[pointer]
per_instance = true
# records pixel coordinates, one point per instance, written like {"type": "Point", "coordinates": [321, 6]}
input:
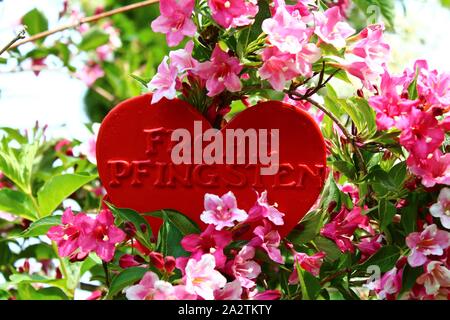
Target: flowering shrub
{"type": "Point", "coordinates": [380, 229]}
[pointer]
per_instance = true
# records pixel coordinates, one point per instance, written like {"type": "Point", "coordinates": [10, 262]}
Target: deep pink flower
{"type": "Point", "coordinates": [311, 264]}
{"type": "Point", "coordinates": [389, 105]}
{"type": "Point", "coordinates": [269, 240]}
{"type": "Point", "coordinates": [437, 276]}
{"type": "Point", "coordinates": [201, 277]}
{"type": "Point", "coordinates": [421, 134]}
{"type": "Point", "coordinates": [164, 82]}
{"type": "Point", "coordinates": [233, 13]}
{"type": "Point", "coordinates": [369, 246]}
{"type": "Point", "coordinates": [221, 73]}
{"type": "Point", "coordinates": [431, 241]}
{"type": "Point", "coordinates": [244, 268]}
{"type": "Point", "coordinates": [231, 291]}
{"type": "Point", "coordinates": [435, 169]}
{"type": "Point", "coordinates": [441, 209]}
{"type": "Point", "coordinates": [101, 235]}
{"type": "Point", "coordinates": [128, 261]}
{"type": "Point", "coordinates": [222, 212]}
{"type": "Point", "coordinates": [67, 234]}
{"type": "Point", "coordinates": [342, 227]}
{"type": "Point", "coordinates": [362, 70]}
{"type": "Point", "coordinates": [209, 241]}
{"type": "Point", "coordinates": [175, 20]}
{"type": "Point", "coordinates": [151, 288]}
{"type": "Point", "coordinates": [331, 29]}
{"type": "Point", "coordinates": [262, 209]}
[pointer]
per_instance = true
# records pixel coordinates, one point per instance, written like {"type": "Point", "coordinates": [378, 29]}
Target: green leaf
{"type": "Point", "coordinates": [386, 211]}
{"type": "Point", "coordinates": [36, 22]}
{"type": "Point", "coordinates": [59, 188]}
{"type": "Point", "coordinates": [138, 221]}
{"type": "Point", "coordinates": [40, 227]}
{"type": "Point", "coordinates": [124, 279]}
{"type": "Point", "coordinates": [345, 167]}
{"type": "Point", "coordinates": [385, 259]}
{"type": "Point", "coordinates": [412, 88]}
{"type": "Point", "coordinates": [409, 214]}
{"type": "Point", "coordinates": [35, 278]}
{"type": "Point", "coordinates": [169, 238]}
{"type": "Point", "coordinates": [397, 174]}
{"type": "Point", "coordinates": [26, 292]}
{"type": "Point", "coordinates": [445, 3]}
{"type": "Point", "coordinates": [39, 251]}
{"type": "Point", "coordinates": [17, 203]}
{"type": "Point", "coordinates": [307, 230]}
{"type": "Point", "coordinates": [143, 82]}
{"type": "Point", "coordinates": [329, 247]}
{"type": "Point", "coordinates": [179, 220]}
{"type": "Point", "coordinates": [409, 277]}
{"type": "Point", "coordinates": [384, 7]}
{"type": "Point", "coordinates": [93, 39]}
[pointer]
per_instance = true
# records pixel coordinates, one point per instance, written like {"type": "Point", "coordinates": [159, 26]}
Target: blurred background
{"type": "Point", "coordinates": [66, 81]}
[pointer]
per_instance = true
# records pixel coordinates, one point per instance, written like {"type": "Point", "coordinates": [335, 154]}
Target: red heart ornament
{"type": "Point", "coordinates": [135, 165]}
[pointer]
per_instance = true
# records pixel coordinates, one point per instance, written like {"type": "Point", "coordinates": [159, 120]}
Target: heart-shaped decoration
{"type": "Point", "coordinates": [135, 165]}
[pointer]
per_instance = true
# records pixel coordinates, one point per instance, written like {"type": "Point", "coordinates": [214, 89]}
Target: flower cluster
{"type": "Point", "coordinates": [78, 235]}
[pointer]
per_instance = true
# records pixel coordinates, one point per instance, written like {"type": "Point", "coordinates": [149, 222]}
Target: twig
{"type": "Point", "coordinates": [82, 21]}
{"type": "Point", "coordinates": [20, 35]}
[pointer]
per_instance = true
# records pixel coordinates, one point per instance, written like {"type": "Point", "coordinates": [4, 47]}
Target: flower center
{"type": "Point", "coordinates": [227, 4]}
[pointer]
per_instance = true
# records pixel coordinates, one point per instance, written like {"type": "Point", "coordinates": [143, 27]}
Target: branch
{"type": "Point", "coordinates": [82, 21]}
{"type": "Point", "coordinates": [20, 35]}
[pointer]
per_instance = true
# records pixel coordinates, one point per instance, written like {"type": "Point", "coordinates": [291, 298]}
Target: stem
{"type": "Point", "coordinates": [62, 266]}
{"type": "Point", "coordinates": [82, 21]}
{"type": "Point", "coordinates": [303, 287]}
{"type": "Point", "coordinates": [20, 35]}
{"type": "Point", "coordinates": [105, 268]}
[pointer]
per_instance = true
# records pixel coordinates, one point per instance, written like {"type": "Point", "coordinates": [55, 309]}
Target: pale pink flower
{"type": "Point", "coordinates": [331, 29]}
{"type": "Point", "coordinates": [362, 70]}
{"type": "Point", "coordinates": [233, 13]}
{"type": "Point", "coordinates": [265, 295]}
{"type": "Point", "coordinates": [389, 285]}
{"type": "Point", "coordinates": [262, 209]}
{"type": "Point", "coordinates": [437, 276]}
{"type": "Point", "coordinates": [287, 32]}
{"type": "Point", "coordinates": [89, 147]}
{"type": "Point", "coordinates": [209, 241]}
{"type": "Point", "coordinates": [67, 234]}
{"type": "Point", "coordinates": [308, 54]}
{"type": "Point", "coordinates": [221, 73]}
{"type": "Point", "coordinates": [175, 20]}
{"type": "Point", "coordinates": [151, 288]}
{"type": "Point", "coordinates": [90, 73]}
{"type": "Point", "coordinates": [431, 241]}
{"type": "Point", "coordinates": [182, 58]}
{"type": "Point", "coordinates": [101, 235]}
{"type": "Point", "coordinates": [201, 277]}
{"type": "Point", "coordinates": [244, 268]}
{"type": "Point", "coordinates": [441, 209]}
{"type": "Point", "coordinates": [421, 133]}
{"type": "Point", "coordinates": [435, 169]}
{"type": "Point", "coordinates": [222, 212]}
{"type": "Point", "coordinates": [231, 291]}
{"type": "Point", "coordinates": [311, 264]}
{"type": "Point", "coordinates": [278, 67]}
{"type": "Point", "coordinates": [269, 240]}
{"type": "Point", "coordinates": [164, 82]}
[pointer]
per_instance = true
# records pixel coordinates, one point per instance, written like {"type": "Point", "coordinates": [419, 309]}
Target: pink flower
{"type": "Point", "coordinates": [231, 291]}
{"type": "Point", "coordinates": [244, 268]}
{"type": "Point", "coordinates": [362, 70]}
{"type": "Point", "coordinates": [441, 209]}
{"type": "Point", "coordinates": [389, 285]}
{"type": "Point", "coordinates": [221, 73]}
{"type": "Point", "coordinates": [101, 235]}
{"type": "Point", "coordinates": [342, 227]}
{"type": "Point", "coordinates": [286, 32]}
{"type": "Point", "coordinates": [435, 169]}
{"type": "Point", "coordinates": [278, 67]}
{"type": "Point", "coordinates": [262, 209]}
{"type": "Point", "coordinates": [437, 276]}
{"type": "Point", "coordinates": [223, 211]}
{"type": "Point", "coordinates": [331, 29]}
{"type": "Point", "coordinates": [90, 73]}
{"type": "Point", "coordinates": [369, 246]}
{"type": "Point", "coordinates": [164, 82]}
{"type": "Point", "coordinates": [233, 13]}
{"type": "Point", "coordinates": [201, 277]}
{"type": "Point", "coordinates": [265, 295]}
{"type": "Point", "coordinates": [128, 261]}
{"type": "Point", "coordinates": [268, 240]}
{"type": "Point", "coordinates": [389, 105]}
{"type": "Point", "coordinates": [182, 59]}
{"type": "Point", "coordinates": [151, 288]}
{"type": "Point", "coordinates": [209, 241]}
{"type": "Point", "coordinates": [421, 134]}
{"type": "Point", "coordinates": [175, 20]}
{"type": "Point", "coordinates": [89, 147]}
{"type": "Point", "coordinates": [431, 241]}
{"type": "Point", "coordinates": [311, 264]}
{"type": "Point", "coordinates": [67, 235]}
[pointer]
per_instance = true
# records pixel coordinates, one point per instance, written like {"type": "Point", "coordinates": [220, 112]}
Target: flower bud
{"type": "Point", "coordinates": [169, 264]}
{"type": "Point", "coordinates": [157, 259]}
